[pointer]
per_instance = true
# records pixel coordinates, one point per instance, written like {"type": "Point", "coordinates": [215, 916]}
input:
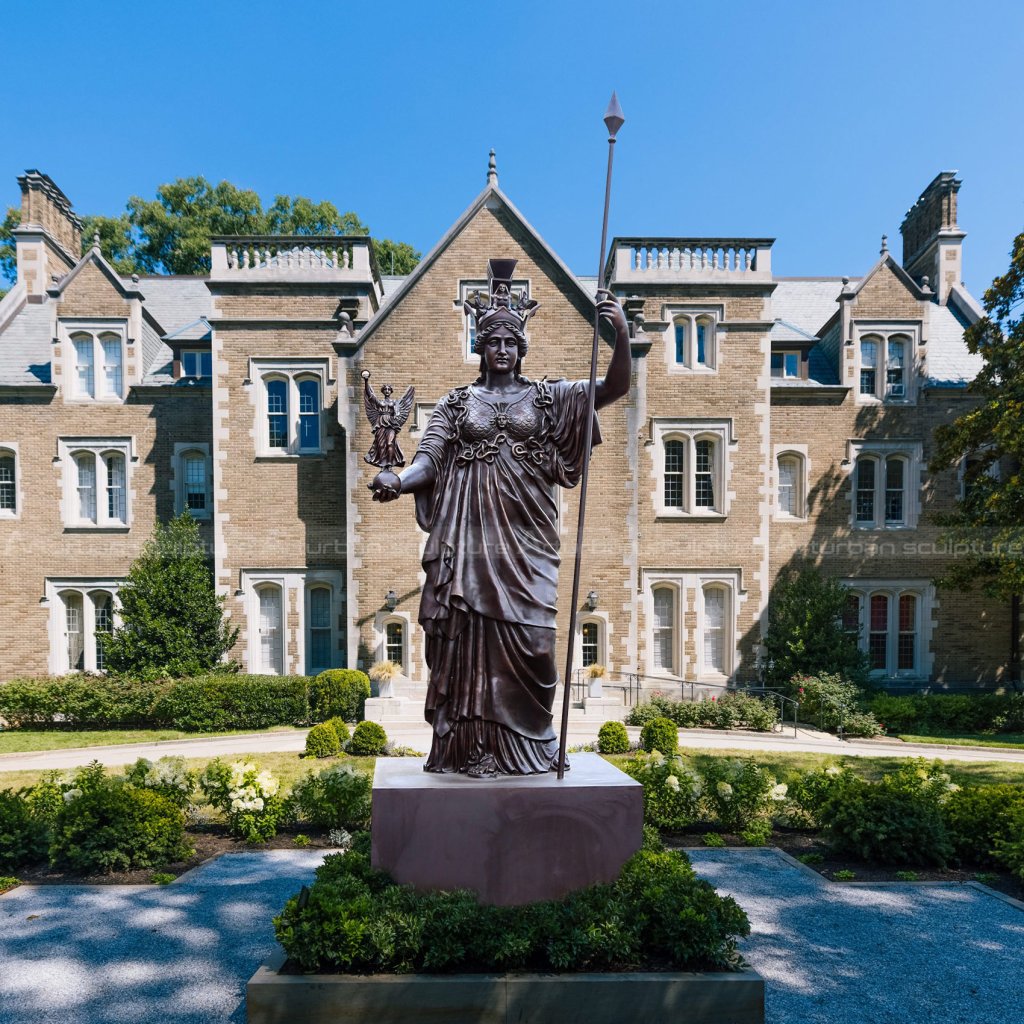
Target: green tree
{"type": "Point", "coordinates": [988, 441]}
{"type": "Point", "coordinates": [395, 257]}
{"type": "Point", "coordinates": [171, 617]}
{"type": "Point", "coordinates": [171, 233]}
{"type": "Point", "coordinates": [806, 634]}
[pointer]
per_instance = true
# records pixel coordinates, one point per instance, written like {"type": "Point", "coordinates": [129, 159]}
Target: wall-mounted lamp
{"type": "Point", "coordinates": [391, 601]}
{"type": "Point", "coordinates": [591, 602]}
{"type": "Point", "coordinates": [44, 600]}
{"type": "Point", "coordinates": [239, 592]}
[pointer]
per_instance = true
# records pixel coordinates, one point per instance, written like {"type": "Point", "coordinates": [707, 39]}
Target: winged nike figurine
{"type": "Point", "coordinates": [386, 417]}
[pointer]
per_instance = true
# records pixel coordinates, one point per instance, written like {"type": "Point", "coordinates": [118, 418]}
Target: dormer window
{"type": "Point", "coordinates": [884, 362]}
{"type": "Point", "coordinates": [96, 369]}
{"type": "Point", "coordinates": [197, 363]}
{"type": "Point", "coordinates": [786, 364]}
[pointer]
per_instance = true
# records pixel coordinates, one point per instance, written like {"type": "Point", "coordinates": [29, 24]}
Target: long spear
{"type": "Point", "coordinates": [613, 120]}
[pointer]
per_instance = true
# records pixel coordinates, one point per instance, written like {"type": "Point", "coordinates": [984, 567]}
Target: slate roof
{"type": "Point", "coordinates": [948, 363]}
{"type": "Point", "coordinates": [806, 303]}
{"type": "Point", "coordinates": [25, 347]}
{"type": "Point", "coordinates": [176, 301]}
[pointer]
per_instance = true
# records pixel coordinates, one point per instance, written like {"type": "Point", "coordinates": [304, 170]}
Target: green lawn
{"type": "Point", "coordinates": [289, 766]}
{"type": "Point", "coordinates": [1013, 740]}
{"type": "Point", "coordinates": [23, 741]}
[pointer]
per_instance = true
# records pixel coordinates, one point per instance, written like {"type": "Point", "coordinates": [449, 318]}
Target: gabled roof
{"type": "Point", "coordinates": [25, 347]}
{"type": "Point", "coordinates": [175, 301]}
{"type": "Point", "coordinates": [197, 330]}
{"type": "Point", "coordinates": [783, 331]}
{"type": "Point", "coordinates": [887, 259]}
{"type": "Point", "coordinates": [94, 256]}
{"type": "Point", "coordinates": [492, 193]}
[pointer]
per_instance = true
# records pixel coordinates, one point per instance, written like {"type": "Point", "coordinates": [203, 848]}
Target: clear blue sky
{"type": "Point", "coordinates": [816, 123]}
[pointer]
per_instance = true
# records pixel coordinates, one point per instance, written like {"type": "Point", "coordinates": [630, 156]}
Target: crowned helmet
{"type": "Point", "coordinates": [502, 306]}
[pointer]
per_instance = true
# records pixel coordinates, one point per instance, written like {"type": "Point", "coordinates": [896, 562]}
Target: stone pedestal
{"type": "Point", "coordinates": [394, 710]}
{"type": "Point", "coordinates": [511, 839]}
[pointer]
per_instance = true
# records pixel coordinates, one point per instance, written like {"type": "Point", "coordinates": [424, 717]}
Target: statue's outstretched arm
{"type": "Point", "coordinates": [615, 383]}
{"type": "Point", "coordinates": [418, 476]}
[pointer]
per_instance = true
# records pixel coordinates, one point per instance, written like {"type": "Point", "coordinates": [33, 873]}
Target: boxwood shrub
{"type": "Point", "coordinates": [77, 701]}
{"type": "Point", "coordinates": [978, 816]}
{"type": "Point", "coordinates": [660, 734]}
{"type": "Point", "coordinates": [368, 740]}
{"type": "Point", "coordinates": [23, 834]}
{"type": "Point", "coordinates": [322, 741]}
{"type": "Point", "coordinates": [730, 711]}
{"type": "Point", "coordinates": [612, 738]}
{"type": "Point", "coordinates": [951, 713]}
{"type": "Point", "coordinates": [338, 692]}
{"type": "Point", "coordinates": [657, 915]}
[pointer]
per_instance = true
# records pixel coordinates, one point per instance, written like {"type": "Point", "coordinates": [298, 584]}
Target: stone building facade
{"type": "Point", "coordinates": [770, 421]}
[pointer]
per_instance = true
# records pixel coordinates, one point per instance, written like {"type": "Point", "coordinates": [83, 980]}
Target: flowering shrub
{"type": "Point", "coordinates": [672, 790]}
{"type": "Point", "coordinates": [110, 825]}
{"type": "Point", "coordinates": [813, 789]}
{"type": "Point", "coordinates": [898, 820]}
{"type": "Point", "coordinates": [834, 702]}
{"type": "Point", "coordinates": [168, 776]}
{"type": "Point", "coordinates": [740, 793]}
{"type": "Point", "coordinates": [248, 797]}
{"type": "Point", "coordinates": [336, 798]}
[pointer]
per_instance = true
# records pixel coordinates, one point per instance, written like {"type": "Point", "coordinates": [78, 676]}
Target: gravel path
{"type": "Point", "coordinates": [175, 954]}
{"type": "Point", "coordinates": [831, 953]}
{"type": "Point", "coordinates": [835, 953]}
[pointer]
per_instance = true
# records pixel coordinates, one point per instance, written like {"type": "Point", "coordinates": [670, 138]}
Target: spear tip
{"type": "Point", "coordinates": [613, 118]}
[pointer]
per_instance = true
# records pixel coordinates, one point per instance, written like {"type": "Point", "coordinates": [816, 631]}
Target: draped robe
{"type": "Point", "coordinates": [491, 564]}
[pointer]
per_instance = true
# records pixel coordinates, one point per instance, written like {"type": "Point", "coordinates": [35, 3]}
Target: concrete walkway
{"type": "Point", "coordinates": [418, 737]}
{"type": "Point", "coordinates": [831, 953]}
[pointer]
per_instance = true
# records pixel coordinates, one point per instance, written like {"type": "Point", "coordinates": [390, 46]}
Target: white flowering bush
{"type": "Point", "coordinates": [672, 789]}
{"type": "Point", "coordinates": [336, 798]}
{"type": "Point", "coordinates": [248, 796]}
{"type": "Point", "coordinates": [741, 793]}
{"type": "Point", "coordinates": [167, 776]}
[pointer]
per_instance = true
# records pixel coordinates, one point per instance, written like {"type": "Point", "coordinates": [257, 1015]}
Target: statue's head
{"type": "Point", "coordinates": [504, 312]}
{"type": "Point", "coordinates": [387, 390]}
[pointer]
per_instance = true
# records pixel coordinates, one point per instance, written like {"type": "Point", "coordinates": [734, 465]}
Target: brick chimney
{"type": "Point", "coordinates": [49, 237]}
{"type": "Point", "coordinates": [932, 242]}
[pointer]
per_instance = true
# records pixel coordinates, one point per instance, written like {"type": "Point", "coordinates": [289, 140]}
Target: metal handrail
{"type": "Point", "coordinates": [767, 691]}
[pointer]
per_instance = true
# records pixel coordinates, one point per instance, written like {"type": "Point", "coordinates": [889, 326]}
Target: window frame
{"type": "Point", "coordinates": [381, 622]}
{"type": "Point", "coordinates": [72, 450]}
{"type": "Point", "coordinates": [895, 591]}
{"type": "Point", "coordinates": [690, 432]}
{"type": "Point", "coordinates": [688, 320]}
{"type": "Point", "coordinates": [9, 450]}
{"type": "Point", "coordinates": [882, 454]}
{"type": "Point", "coordinates": [598, 619]}
{"type": "Point", "coordinates": [179, 477]}
{"type": "Point", "coordinates": [785, 354]}
{"type": "Point", "coordinates": [292, 372]}
{"type": "Point", "coordinates": [799, 455]}
{"type": "Point", "coordinates": [87, 590]}
{"type": "Point", "coordinates": [98, 331]}
{"type": "Point", "coordinates": [313, 586]}
{"type": "Point", "coordinates": [199, 354]}
{"type": "Point", "coordinates": [704, 671]}
{"type": "Point", "coordinates": [882, 335]}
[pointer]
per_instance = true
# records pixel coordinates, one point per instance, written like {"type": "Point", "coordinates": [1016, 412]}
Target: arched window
{"type": "Point", "coordinates": [878, 632]}
{"type": "Point", "coordinates": [277, 413]}
{"type": "Point", "coordinates": [664, 635]}
{"type": "Point", "coordinates": [394, 642]}
{"type": "Point", "coordinates": [318, 650]}
{"type": "Point", "coordinates": [895, 482]}
{"type": "Point", "coordinates": [271, 628]}
{"type": "Point", "coordinates": [704, 475]}
{"type": "Point", "coordinates": [103, 621]}
{"type": "Point", "coordinates": [865, 489]}
{"type": "Point", "coordinates": [713, 650]}
{"type": "Point", "coordinates": [195, 481]}
{"type": "Point", "coordinates": [895, 380]}
{"type": "Point", "coordinates": [113, 378]}
{"type": "Point", "coordinates": [679, 332]}
{"type": "Point", "coordinates": [85, 470]}
{"type": "Point", "coordinates": [8, 484]}
{"type": "Point", "coordinates": [117, 499]}
{"type": "Point", "coordinates": [589, 644]}
{"type": "Point", "coordinates": [704, 354]}
{"type": "Point", "coordinates": [674, 480]}
{"type": "Point", "coordinates": [791, 485]}
{"type": "Point", "coordinates": [309, 414]}
{"type": "Point", "coordinates": [869, 366]}
{"type": "Point", "coordinates": [906, 640]}
{"type": "Point", "coordinates": [74, 631]}
{"type": "Point", "coordinates": [85, 376]}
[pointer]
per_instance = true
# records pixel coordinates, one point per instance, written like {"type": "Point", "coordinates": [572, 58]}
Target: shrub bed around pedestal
{"type": "Point", "coordinates": [658, 915]}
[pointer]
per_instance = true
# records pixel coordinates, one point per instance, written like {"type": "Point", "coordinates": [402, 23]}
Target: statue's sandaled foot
{"type": "Point", "coordinates": [485, 768]}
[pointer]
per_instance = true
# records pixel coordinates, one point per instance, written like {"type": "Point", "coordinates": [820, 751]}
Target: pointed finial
{"type": "Point", "coordinates": [96, 240]}
{"type": "Point", "coordinates": [492, 170]}
{"type": "Point", "coordinates": [613, 118]}
{"type": "Point", "coordinates": [885, 246]}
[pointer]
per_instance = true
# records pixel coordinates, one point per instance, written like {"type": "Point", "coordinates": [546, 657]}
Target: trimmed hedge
{"type": "Point", "coordinates": [204, 704]}
{"type": "Point", "coordinates": [657, 915]}
{"type": "Point", "coordinates": [938, 713]}
{"type": "Point", "coordinates": [730, 711]}
{"type": "Point", "coordinates": [219, 703]}
{"type": "Point", "coordinates": [23, 834]}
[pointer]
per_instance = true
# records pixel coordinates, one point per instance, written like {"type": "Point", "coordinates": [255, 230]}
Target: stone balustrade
{"type": "Point", "coordinates": [664, 260]}
{"type": "Point", "coordinates": [292, 257]}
